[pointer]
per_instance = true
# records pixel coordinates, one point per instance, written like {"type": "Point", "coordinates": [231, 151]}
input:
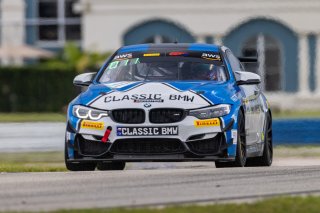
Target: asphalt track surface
{"type": "Point", "coordinates": [33, 136]}
{"type": "Point", "coordinates": [185, 183]}
{"type": "Point", "coordinates": [141, 184]}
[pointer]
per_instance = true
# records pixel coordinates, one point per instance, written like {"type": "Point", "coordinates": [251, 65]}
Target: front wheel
{"type": "Point", "coordinates": [241, 153]}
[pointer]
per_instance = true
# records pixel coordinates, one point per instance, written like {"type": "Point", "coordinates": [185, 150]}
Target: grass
{"type": "Point", "coordinates": [296, 114]}
{"type": "Point", "coordinates": [32, 162]}
{"type": "Point", "coordinates": [297, 151]}
{"type": "Point", "coordinates": [310, 204]}
{"type": "Point", "coordinates": [32, 117]}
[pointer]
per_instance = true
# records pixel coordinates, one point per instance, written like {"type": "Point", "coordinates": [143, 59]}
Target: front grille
{"type": "Point", "coordinates": [90, 147]}
{"type": "Point", "coordinates": [128, 116]}
{"type": "Point", "coordinates": [208, 146]}
{"type": "Point", "coordinates": [166, 115]}
{"type": "Point", "coordinates": [147, 146]}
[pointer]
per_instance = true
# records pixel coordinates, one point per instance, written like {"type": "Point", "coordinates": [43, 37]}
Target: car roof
{"type": "Point", "coordinates": [165, 47]}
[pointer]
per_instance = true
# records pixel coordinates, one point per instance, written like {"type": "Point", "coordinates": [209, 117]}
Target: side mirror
{"type": "Point", "coordinates": [84, 80]}
{"type": "Point", "coordinates": [247, 78]}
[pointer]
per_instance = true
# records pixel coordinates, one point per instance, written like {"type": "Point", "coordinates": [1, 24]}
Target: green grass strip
{"type": "Point", "coordinates": [275, 205]}
{"type": "Point", "coordinates": [32, 162]}
{"type": "Point", "coordinates": [296, 114]}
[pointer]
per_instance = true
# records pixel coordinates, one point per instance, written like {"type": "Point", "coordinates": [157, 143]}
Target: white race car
{"type": "Point", "coordinates": [169, 102]}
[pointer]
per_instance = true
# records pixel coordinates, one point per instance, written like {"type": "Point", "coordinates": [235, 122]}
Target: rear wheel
{"type": "Point", "coordinates": [111, 166]}
{"type": "Point", "coordinates": [241, 153]}
{"type": "Point", "coordinates": [267, 156]}
{"type": "Point", "coordinates": [77, 166]}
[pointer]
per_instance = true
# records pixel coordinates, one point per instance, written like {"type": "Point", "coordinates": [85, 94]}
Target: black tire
{"type": "Point", "coordinates": [267, 156]}
{"type": "Point", "coordinates": [241, 153]}
{"type": "Point", "coordinates": [111, 166]}
{"type": "Point", "coordinates": [77, 166]}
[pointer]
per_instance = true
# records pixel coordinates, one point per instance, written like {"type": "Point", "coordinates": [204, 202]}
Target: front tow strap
{"type": "Point", "coordinates": [106, 135]}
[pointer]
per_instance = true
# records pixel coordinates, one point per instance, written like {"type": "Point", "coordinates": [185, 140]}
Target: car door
{"type": "Point", "coordinates": [251, 95]}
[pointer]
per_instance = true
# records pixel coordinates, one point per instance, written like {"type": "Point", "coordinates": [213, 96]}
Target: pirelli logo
{"type": "Point", "coordinates": [92, 125]}
{"type": "Point", "coordinates": [207, 123]}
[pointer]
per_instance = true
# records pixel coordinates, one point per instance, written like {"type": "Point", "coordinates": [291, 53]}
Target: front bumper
{"type": "Point", "coordinates": [191, 144]}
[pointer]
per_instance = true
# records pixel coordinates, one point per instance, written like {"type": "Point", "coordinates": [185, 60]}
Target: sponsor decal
{"type": "Point", "coordinates": [148, 98]}
{"type": "Point", "coordinates": [147, 131]}
{"type": "Point", "coordinates": [186, 98]}
{"type": "Point", "coordinates": [235, 97]}
{"type": "Point", "coordinates": [262, 136]}
{"type": "Point", "coordinates": [123, 56]}
{"type": "Point", "coordinates": [137, 98]}
{"type": "Point", "coordinates": [151, 54]}
{"type": "Point", "coordinates": [207, 123]}
{"type": "Point", "coordinates": [92, 125]}
{"type": "Point", "coordinates": [113, 65]}
{"type": "Point", "coordinates": [178, 54]}
{"type": "Point", "coordinates": [234, 136]}
{"type": "Point", "coordinates": [209, 56]}
{"type": "Point", "coordinates": [155, 93]}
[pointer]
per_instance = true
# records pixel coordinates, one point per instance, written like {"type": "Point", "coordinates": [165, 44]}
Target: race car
{"type": "Point", "coordinates": [169, 102]}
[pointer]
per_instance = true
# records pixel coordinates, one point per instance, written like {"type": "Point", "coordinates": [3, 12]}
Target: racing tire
{"type": "Point", "coordinates": [241, 152]}
{"type": "Point", "coordinates": [267, 156]}
{"type": "Point", "coordinates": [111, 166]}
{"type": "Point", "coordinates": [77, 166]}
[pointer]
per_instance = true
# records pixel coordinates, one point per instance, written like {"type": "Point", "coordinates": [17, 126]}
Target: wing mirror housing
{"type": "Point", "coordinates": [84, 80]}
{"type": "Point", "coordinates": [247, 78]}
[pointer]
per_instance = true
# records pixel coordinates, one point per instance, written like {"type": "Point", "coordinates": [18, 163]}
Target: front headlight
{"type": "Point", "coordinates": [211, 112]}
{"type": "Point", "coordinates": [88, 113]}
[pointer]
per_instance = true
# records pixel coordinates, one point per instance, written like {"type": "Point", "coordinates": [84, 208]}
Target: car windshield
{"type": "Point", "coordinates": [165, 67]}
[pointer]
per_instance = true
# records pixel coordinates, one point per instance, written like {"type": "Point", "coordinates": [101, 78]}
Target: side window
{"type": "Point", "coordinates": [234, 62]}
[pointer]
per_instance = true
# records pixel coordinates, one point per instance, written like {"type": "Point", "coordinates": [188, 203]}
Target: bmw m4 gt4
{"type": "Point", "coordinates": [169, 102]}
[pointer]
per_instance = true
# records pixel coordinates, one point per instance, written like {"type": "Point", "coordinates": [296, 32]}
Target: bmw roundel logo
{"type": "Point", "coordinates": [147, 105]}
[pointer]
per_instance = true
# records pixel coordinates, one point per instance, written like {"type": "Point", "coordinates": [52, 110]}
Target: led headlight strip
{"type": "Point", "coordinates": [211, 112]}
{"type": "Point", "coordinates": [88, 113]}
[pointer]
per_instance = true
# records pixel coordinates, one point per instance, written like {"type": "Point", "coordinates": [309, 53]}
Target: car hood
{"type": "Point", "coordinates": [176, 94]}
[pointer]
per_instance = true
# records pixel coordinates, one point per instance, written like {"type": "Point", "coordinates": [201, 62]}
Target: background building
{"type": "Point", "coordinates": [51, 23]}
{"type": "Point", "coordinates": [286, 33]}
{"type": "Point", "coordinates": [41, 23]}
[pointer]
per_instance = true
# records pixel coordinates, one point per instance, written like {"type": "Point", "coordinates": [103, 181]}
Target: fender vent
{"type": "Point", "coordinates": [208, 146]}
{"type": "Point", "coordinates": [90, 148]}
